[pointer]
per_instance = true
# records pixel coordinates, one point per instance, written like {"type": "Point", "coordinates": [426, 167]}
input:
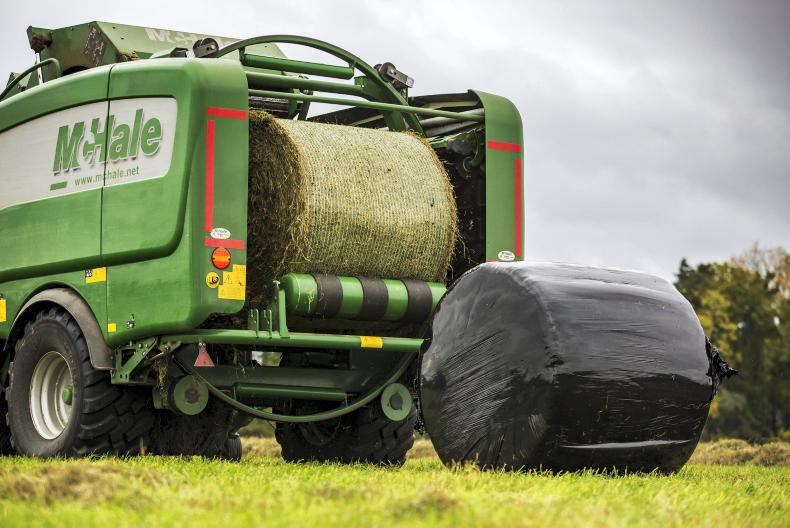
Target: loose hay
{"type": "Point", "coordinates": [344, 200]}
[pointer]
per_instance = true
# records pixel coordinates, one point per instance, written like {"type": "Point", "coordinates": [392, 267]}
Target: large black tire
{"type": "Point", "coordinates": [233, 450]}
{"type": "Point", "coordinates": [209, 434]}
{"type": "Point", "coordinates": [365, 436]}
{"type": "Point", "coordinates": [103, 418]}
{"type": "Point", "coordinates": [5, 432]}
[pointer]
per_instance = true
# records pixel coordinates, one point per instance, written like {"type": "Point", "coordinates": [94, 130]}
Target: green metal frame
{"type": "Point", "coordinates": [173, 260]}
{"type": "Point", "coordinates": [363, 400]}
{"type": "Point", "coordinates": [379, 90]}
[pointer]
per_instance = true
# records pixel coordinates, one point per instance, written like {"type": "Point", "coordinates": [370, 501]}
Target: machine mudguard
{"type": "Point", "coordinates": [101, 355]}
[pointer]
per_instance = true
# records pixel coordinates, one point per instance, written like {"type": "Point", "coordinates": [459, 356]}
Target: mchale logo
{"type": "Point", "coordinates": [124, 142]}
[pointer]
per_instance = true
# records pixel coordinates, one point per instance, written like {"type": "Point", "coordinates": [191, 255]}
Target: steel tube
{"type": "Point", "coordinates": [268, 80]}
{"type": "Point", "coordinates": [436, 121]}
{"type": "Point", "coordinates": [53, 61]}
{"type": "Point", "coordinates": [294, 340]}
{"type": "Point", "coordinates": [244, 391]}
{"type": "Point", "coordinates": [296, 66]}
{"type": "Point", "coordinates": [386, 107]}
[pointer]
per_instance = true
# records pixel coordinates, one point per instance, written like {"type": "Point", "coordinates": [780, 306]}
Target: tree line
{"type": "Point", "coordinates": [743, 305]}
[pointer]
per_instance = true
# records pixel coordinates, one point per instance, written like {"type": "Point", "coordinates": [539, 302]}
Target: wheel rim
{"type": "Point", "coordinates": [51, 389]}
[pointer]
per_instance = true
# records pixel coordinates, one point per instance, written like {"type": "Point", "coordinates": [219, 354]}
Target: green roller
{"type": "Point", "coordinates": [360, 297]}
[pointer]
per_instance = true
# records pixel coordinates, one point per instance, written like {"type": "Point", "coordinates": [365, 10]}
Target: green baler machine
{"type": "Point", "coordinates": [137, 312]}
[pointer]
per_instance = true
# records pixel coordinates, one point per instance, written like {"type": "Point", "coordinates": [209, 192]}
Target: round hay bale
{"type": "Point", "coordinates": [344, 200]}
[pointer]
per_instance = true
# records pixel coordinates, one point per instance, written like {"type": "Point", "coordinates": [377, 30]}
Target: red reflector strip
{"type": "Point", "coordinates": [502, 145]}
{"type": "Point", "coordinates": [209, 207]}
{"type": "Point", "coordinates": [519, 205]}
{"type": "Point", "coordinates": [228, 113]}
{"type": "Point", "coordinates": [230, 244]}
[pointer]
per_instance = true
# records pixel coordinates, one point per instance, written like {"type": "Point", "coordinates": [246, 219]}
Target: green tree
{"type": "Point", "coordinates": [744, 308]}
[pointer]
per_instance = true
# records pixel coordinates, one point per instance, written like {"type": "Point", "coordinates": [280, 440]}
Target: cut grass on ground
{"type": "Point", "coordinates": [265, 491]}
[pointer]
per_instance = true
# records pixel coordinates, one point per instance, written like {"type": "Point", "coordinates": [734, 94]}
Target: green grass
{"type": "Point", "coordinates": [265, 491]}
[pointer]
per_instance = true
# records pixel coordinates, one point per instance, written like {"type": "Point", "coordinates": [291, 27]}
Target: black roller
{"type": "Point", "coordinates": [564, 367]}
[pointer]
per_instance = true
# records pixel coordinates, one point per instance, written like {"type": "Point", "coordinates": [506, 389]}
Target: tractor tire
{"type": "Point", "coordinates": [364, 436]}
{"type": "Point", "coordinates": [5, 432]}
{"type": "Point", "coordinates": [209, 434]}
{"type": "Point", "coordinates": [59, 405]}
{"type": "Point", "coordinates": [232, 450]}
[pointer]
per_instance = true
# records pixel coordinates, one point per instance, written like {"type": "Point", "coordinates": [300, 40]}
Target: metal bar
{"type": "Point", "coordinates": [245, 391]}
{"type": "Point", "coordinates": [226, 376]}
{"type": "Point", "coordinates": [296, 66]}
{"type": "Point", "coordinates": [295, 340]}
{"type": "Point", "coordinates": [268, 80]}
{"type": "Point", "coordinates": [55, 63]}
{"type": "Point", "coordinates": [388, 107]}
{"type": "Point", "coordinates": [388, 91]}
{"type": "Point", "coordinates": [436, 121]}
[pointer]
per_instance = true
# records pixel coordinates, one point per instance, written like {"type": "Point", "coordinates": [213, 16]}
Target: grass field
{"type": "Point", "coordinates": [265, 491]}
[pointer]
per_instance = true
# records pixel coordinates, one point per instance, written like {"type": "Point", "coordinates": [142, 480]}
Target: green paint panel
{"type": "Point", "coordinates": [504, 177]}
{"type": "Point", "coordinates": [16, 293]}
{"type": "Point", "coordinates": [58, 234]}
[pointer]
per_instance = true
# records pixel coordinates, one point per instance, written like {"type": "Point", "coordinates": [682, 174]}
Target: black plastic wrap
{"type": "Point", "coordinates": [563, 367]}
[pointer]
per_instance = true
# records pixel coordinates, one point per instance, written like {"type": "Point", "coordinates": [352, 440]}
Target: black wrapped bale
{"type": "Point", "coordinates": [565, 367]}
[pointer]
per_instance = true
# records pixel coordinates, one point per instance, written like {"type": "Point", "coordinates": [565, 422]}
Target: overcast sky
{"type": "Point", "coordinates": [653, 130]}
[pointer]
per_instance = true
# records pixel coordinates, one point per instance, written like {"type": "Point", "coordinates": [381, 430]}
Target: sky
{"type": "Point", "coordinates": [653, 131]}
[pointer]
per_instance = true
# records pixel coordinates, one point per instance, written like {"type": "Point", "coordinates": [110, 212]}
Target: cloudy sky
{"type": "Point", "coordinates": [653, 130]}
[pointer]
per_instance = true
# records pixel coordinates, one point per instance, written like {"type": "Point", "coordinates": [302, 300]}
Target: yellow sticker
{"type": "Point", "coordinates": [95, 275]}
{"type": "Point", "coordinates": [2, 311]}
{"type": "Point", "coordinates": [212, 280]}
{"type": "Point", "coordinates": [111, 327]}
{"type": "Point", "coordinates": [234, 283]}
{"type": "Point", "coordinates": [371, 342]}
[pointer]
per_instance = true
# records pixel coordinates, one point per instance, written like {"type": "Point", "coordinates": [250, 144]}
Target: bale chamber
{"type": "Point", "coordinates": [339, 200]}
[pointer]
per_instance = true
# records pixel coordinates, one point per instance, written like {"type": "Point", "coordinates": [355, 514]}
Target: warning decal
{"type": "Point", "coordinates": [371, 342]}
{"type": "Point", "coordinates": [233, 283]}
{"type": "Point", "coordinates": [95, 275]}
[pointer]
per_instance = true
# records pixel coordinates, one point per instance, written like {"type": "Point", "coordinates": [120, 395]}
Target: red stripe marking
{"type": "Point", "coordinates": [229, 113]}
{"type": "Point", "coordinates": [209, 210]}
{"type": "Point", "coordinates": [519, 203]}
{"type": "Point", "coordinates": [502, 145]}
{"type": "Point", "coordinates": [227, 244]}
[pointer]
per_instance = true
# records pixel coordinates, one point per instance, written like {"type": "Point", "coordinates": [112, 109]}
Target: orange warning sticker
{"type": "Point", "coordinates": [371, 342]}
{"type": "Point", "coordinates": [234, 283]}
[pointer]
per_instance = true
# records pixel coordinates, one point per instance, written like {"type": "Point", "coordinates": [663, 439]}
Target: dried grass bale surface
{"type": "Point", "coordinates": [347, 201]}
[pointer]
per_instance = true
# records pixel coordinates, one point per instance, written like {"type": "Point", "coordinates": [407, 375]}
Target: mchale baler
{"type": "Point", "coordinates": [187, 247]}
